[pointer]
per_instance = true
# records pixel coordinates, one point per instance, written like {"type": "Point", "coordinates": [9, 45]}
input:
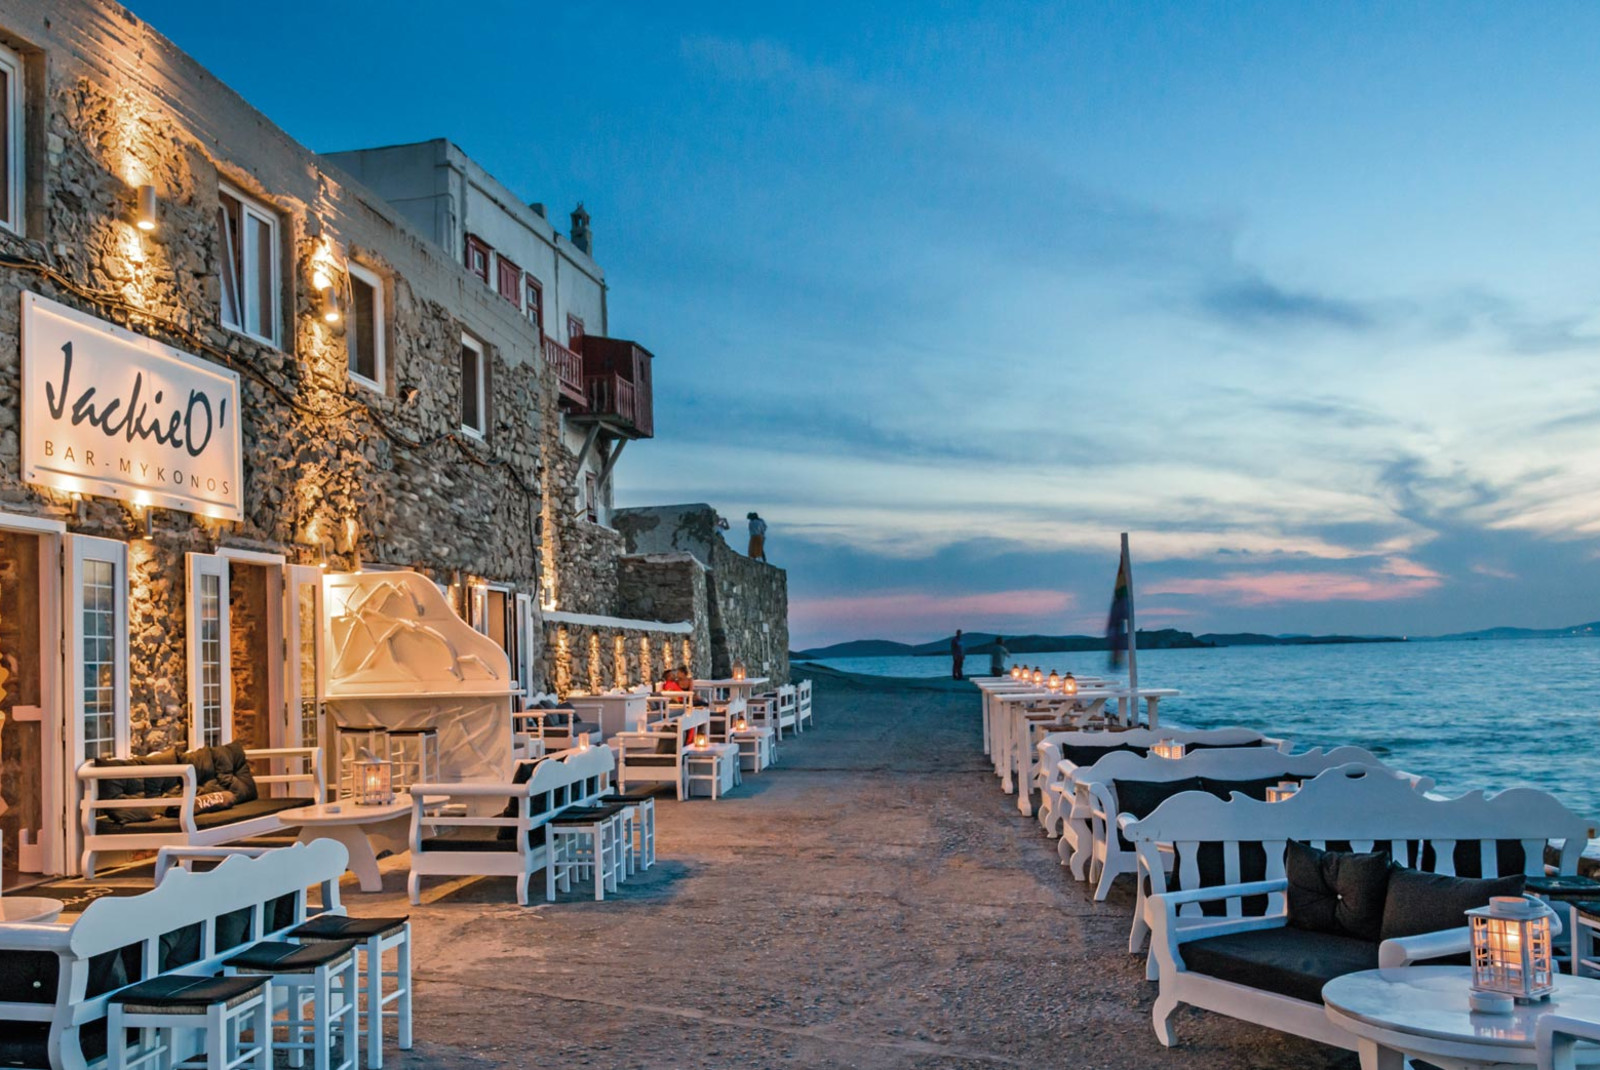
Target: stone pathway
{"type": "Point", "coordinates": [874, 902]}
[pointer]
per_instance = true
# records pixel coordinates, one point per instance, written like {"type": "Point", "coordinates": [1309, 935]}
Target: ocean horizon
{"type": "Point", "coordinates": [1484, 714]}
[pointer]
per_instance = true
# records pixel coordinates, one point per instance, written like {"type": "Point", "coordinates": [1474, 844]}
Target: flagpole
{"type": "Point", "coordinates": [1133, 640]}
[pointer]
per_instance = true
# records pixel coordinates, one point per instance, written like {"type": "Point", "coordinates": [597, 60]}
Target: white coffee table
{"type": "Point", "coordinates": [364, 831]}
{"type": "Point", "coordinates": [34, 909]}
{"type": "Point", "coordinates": [716, 766]}
{"type": "Point", "coordinates": [755, 747]}
{"type": "Point", "coordinates": [1423, 1011]}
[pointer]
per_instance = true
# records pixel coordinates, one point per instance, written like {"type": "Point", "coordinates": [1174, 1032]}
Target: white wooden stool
{"type": "Point", "coordinates": [164, 1007]}
{"type": "Point", "coordinates": [414, 751]}
{"type": "Point", "coordinates": [322, 974]}
{"type": "Point", "coordinates": [586, 841]}
{"type": "Point", "coordinates": [375, 937]}
{"type": "Point", "coordinates": [639, 834]}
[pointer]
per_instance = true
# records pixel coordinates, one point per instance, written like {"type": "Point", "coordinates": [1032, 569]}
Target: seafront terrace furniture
{"type": "Point", "coordinates": [802, 707]}
{"type": "Point", "coordinates": [655, 756]}
{"type": "Point", "coordinates": [613, 711]}
{"type": "Point", "coordinates": [514, 841]}
{"type": "Point", "coordinates": [61, 977]}
{"type": "Point", "coordinates": [720, 721]}
{"type": "Point", "coordinates": [1062, 752]}
{"type": "Point", "coordinates": [1220, 933]}
{"type": "Point", "coordinates": [365, 831]}
{"type": "Point", "coordinates": [1423, 1012]}
{"type": "Point", "coordinates": [1016, 713]}
{"type": "Point", "coordinates": [1124, 787]}
{"type": "Point", "coordinates": [718, 692]}
{"type": "Point", "coordinates": [144, 804]}
{"type": "Point", "coordinates": [990, 686]}
{"type": "Point", "coordinates": [756, 747]}
{"type": "Point", "coordinates": [1564, 1042]}
{"type": "Point", "coordinates": [715, 765]}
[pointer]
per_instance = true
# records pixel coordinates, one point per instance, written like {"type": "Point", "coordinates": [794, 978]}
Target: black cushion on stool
{"type": "Point", "coordinates": [585, 815]}
{"type": "Point", "coordinates": [174, 993]}
{"type": "Point", "coordinates": [270, 956]}
{"type": "Point", "coordinates": [631, 797]}
{"type": "Point", "coordinates": [344, 927]}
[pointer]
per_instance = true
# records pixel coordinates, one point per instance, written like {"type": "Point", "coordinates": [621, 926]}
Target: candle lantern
{"type": "Point", "coordinates": [740, 725]}
{"type": "Point", "coordinates": [374, 780]}
{"type": "Point", "coordinates": [738, 670]}
{"type": "Point", "coordinates": [1069, 685]}
{"type": "Point", "coordinates": [1167, 748]}
{"type": "Point", "coordinates": [1283, 790]}
{"type": "Point", "coordinates": [1038, 678]}
{"type": "Point", "coordinates": [1511, 958]}
{"type": "Point", "coordinates": [1054, 683]}
{"type": "Point", "coordinates": [1016, 671]}
{"type": "Point", "coordinates": [701, 741]}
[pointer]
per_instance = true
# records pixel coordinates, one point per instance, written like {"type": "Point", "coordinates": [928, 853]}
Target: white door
{"type": "Point", "coordinates": [525, 645]}
{"type": "Point", "coordinates": [303, 653]}
{"type": "Point", "coordinates": [97, 663]}
{"type": "Point", "coordinates": [210, 681]}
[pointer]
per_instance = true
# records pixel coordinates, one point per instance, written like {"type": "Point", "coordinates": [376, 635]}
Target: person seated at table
{"type": "Point", "coordinates": [672, 681]}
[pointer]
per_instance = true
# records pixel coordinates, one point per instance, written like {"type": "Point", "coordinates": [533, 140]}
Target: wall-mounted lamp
{"type": "Point", "coordinates": [331, 312]}
{"type": "Point", "coordinates": [146, 219]}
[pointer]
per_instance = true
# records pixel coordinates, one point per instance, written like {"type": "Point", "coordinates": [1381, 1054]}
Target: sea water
{"type": "Point", "coordinates": [1490, 714]}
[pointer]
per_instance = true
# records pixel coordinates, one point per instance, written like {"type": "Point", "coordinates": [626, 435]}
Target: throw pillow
{"type": "Point", "coordinates": [522, 774]}
{"type": "Point", "coordinates": [1340, 892]}
{"type": "Point", "coordinates": [213, 800]}
{"type": "Point", "coordinates": [1420, 902]}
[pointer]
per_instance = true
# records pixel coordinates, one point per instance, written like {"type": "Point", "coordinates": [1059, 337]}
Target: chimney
{"type": "Point", "coordinates": [580, 230]}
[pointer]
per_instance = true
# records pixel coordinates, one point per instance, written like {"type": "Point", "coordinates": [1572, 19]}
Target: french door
{"type": "Point", "coordinates": [97, 647]}
{"type": "Point", "coordinates": [303, 647]}
{"type": "Point", "coordinates": [210, 676]}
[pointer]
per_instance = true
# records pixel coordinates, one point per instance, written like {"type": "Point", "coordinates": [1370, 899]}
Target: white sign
{"type": "Point", "coordinates": [111, 413]}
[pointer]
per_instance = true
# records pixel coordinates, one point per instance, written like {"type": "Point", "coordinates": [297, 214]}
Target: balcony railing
{"type": "Point", "coordinates": [613, 395]}
{"type": "Point", "coordinates": [569, 370]}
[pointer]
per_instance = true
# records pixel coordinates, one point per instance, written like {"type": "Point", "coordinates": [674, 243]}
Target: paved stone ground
{"type": "Point", "coordinates": [874, 901]}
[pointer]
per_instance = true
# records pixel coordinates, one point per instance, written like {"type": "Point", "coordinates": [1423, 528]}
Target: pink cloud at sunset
{"type": "Point", "coordinates": [1397, 579]}
{"type": "Point", "coordinates": [910, 612]}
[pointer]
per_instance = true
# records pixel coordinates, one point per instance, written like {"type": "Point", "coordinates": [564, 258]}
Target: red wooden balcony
{"type": "Point", "coordinates": [569, 372]}
{"type": "Point", "coordinates": [616, 375]}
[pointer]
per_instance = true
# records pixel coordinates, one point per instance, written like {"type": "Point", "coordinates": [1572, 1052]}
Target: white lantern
{"type": "Point", "coordinates": [374, 780]}
{"type": "Point", "coordinates": [738, 670]}
{"type": "Point", "coordinates": [1054, 683]}
{"type": "Point", "coordinates": [1069, 685]}
{"type": "Point", "coordinates": [1167, 748]}
{"type": "Point", "coordinates": [1511, 955]}
{"type": "Point", "coordinates": [1285, 789]}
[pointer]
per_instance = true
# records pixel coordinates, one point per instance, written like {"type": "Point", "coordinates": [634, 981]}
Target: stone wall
{"type": "Point", "coordinates": [668, 587]}
{"type": "Point", "coordinates": [600, 657]}
{"type": "Point", "coordinates": [334, 471]}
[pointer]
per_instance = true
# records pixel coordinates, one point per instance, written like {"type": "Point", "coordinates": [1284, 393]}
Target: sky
{"type": "Point", "coordinates": [1300, 296]}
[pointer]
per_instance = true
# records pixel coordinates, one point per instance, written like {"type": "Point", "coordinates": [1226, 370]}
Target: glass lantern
{"type": "Point", "coordinates": [374, 780]}
{"type": "Point", "coordinates": [1069, 685]}
{"type": "Point", "coordinates": [1511, 953]}
{"type": "Point", "coordinates": [1054, 683]}
{"type": "Point", "coordinates": [701, 741]}
{"type": "Point", "coordinates": [738, 671]}
{"type": "Point", "coordinates": [741, 725]}
{"type": "Point", "coordinates": [1284, 789]}
{"type": "Point", "coordinates": [1038, 678]}
{"type": "Point", "coordinates": [1167, 748]}
{"type": "Point", "coordinates": [1016, 671]}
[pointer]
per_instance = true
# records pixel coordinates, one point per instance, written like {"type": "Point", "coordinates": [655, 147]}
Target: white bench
{"type": "Point", "coordinates": [1054, 769]}
{"type": "Point", "coordinates": [655, 755]}
{"type": "Point", "coordinates": [1358, 807]}
{"type": "Point", "coordinates": [188, 829]}
{"type": "Point", "coordinates": [60, 978]}
{"type": "Point", "coordinates": [802, 704]}
{"type": "Point", "coordinates": [515, 844]}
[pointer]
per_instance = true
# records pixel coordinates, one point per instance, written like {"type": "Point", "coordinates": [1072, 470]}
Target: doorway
{"type": "Point", "coordinates": [236, 651]}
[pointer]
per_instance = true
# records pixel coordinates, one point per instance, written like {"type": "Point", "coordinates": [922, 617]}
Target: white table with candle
{"type": "Point", "coordinates": [1422, 1011]}
{"type": "Point", "coordinates": [613, 711]}
{"type": "Point", "coordinates": [721, 692]}
{"type": "Point", "coordinates": [365, 832]}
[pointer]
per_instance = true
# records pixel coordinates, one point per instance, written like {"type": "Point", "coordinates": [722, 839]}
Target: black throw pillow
{"type": "Point", "coordinates": [1340, 892]}
{"type": "Point", "coordinates": [521, 775]}
{"type": "Point", "coordinates": [1420, 902]}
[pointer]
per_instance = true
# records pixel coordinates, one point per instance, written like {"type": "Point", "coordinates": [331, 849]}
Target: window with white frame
{"type": "Point", "coordinates": [364, 329]}
{"type": "Point", "coordinates": [11, 139]}
{"type": "Point", "coordinates": [247, 234]}
{"type": "Point", "coordinates": [533, 306]}
{"type": "Point", "coordinates": [474, 399]}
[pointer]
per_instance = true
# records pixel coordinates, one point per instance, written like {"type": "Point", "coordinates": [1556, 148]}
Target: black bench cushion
{"type": "Point", "coordinates": [182, 994]}
{"type": "Point", "coordinates": [1254, 789]}
{"type": "Point", "coordinates": [584, 815]}
{"type": "Point", "coordinates": [214, 819]}
{"type": "Point", "coordinates": [654, 761]}
{"type": "Point", "coordinates": [636, 794]}
{"type": "Point", "coordinates": [24, 1043]}
{"type": "Point", "coordinates": [1141, 797]}
{"type": "Point", "coordinates": [1418, 902]}
{"type": "Point", "coordinates": [1083, 755]}
{"type": "Point", "coordinates": [1339, 892]}
{"type": "Point", "coordinates": [1290, 962]}
{"type": "Point", "coordinates": [474, 839]}
{"type": "Point", "coordinates": [272, 956]}
{"type": "Point", "coordinates": [345, 927]}
{"type": "Point", "coordinates": [217, 770]}
{"type": "Point", "coordinates": [1187, 747]}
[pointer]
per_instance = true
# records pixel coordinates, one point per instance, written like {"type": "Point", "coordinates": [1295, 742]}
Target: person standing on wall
{"type": "Point", "coordinates": [997, 656]}
{"type": "Point", "coordinates": [758, 538]}
{"type": "Point", "coordinates": [958, 654]}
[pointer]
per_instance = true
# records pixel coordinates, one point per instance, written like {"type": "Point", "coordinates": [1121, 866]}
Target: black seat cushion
{"type": "Point", "coordinates": [1085, 756]}
{"type": "Point", "coordinates": [1418, 902]}
{"type": "Point", "coordinates": [1255, 788]}
{"type": "Point", "coordinates": [632, 795]}
{"type": "Point", "coordinates": [215, 819]}
{"type": "Point", "coordinates": [24, 1043]}
{"type": "Point", "coordinates": [1291, 962]}
{"type": "Point", "coordinates": [471, 840]}
{"type": "Point", "coordinates": [1141, 797]}
{"type": "Point", "coordinates": [181, 994]}
{"type": "Point", "coordinates": [584, 815]}
{"type": "Point", "coordinates": [272, 956]}
{"type": "Point", "coordinates": [1339, 892]}
{"type": "Point", "coordinates": [345, 927]}
{"type": "Point", "coordinates": [1187, 747]}
{"type": "Point", "coordinates": [653, 761]}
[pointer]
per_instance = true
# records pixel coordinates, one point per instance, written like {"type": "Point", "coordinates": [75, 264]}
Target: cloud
{"type": "Point", "coordinates": [1393, 582]}
{"type": "Point", "coordinates": [1255, 302]}
{"type": "Point", "coordinates": [907, 612]}
{"type": "Point", "coordinates": [1493, 573]}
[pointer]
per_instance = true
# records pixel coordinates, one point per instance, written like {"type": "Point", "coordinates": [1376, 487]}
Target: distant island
{"type": "Point", "coordinates": [979, 643]}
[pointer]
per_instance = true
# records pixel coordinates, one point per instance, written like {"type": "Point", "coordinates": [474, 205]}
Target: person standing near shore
{"type": "Point", "coordinates": [958, 654]}
{"type": "Point", "coordinates": [998, 656]}
{"type": "Point", "coordinates": [758, 538]}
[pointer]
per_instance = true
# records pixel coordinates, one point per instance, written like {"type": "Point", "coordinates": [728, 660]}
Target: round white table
{"type": "Point", "coordinates": [35, 909]}
{"type": "Point", "coordinates": [364, 831]}
{"type": "Point", "coordinates": [1423, 1011]}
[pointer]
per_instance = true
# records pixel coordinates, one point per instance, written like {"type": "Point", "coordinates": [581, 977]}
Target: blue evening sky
{"type": "Point", "coordinates": [1302, 296]}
